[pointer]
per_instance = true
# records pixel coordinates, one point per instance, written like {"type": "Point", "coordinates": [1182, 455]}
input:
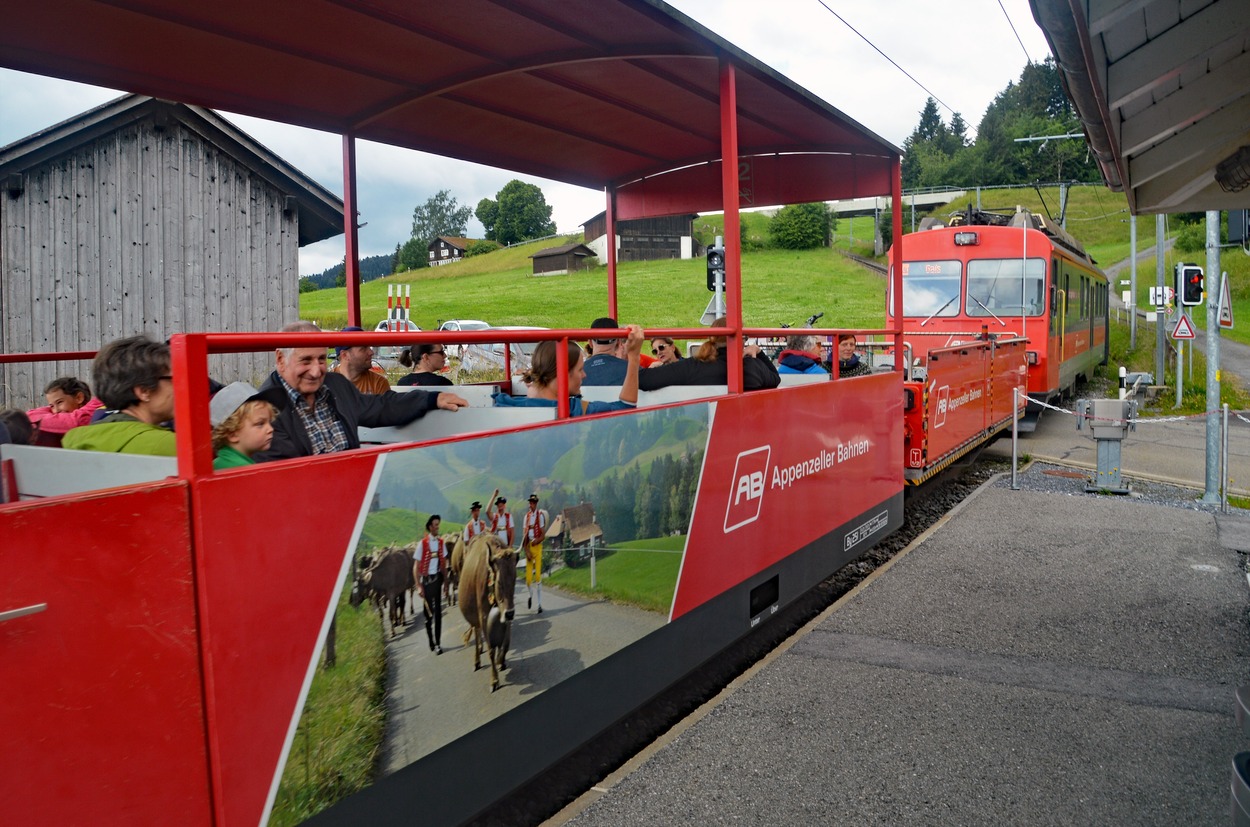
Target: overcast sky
{"type": "Point", "coordinates": [963, 54]}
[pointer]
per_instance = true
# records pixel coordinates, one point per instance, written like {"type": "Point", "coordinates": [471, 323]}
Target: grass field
{"type": "Point", "coordinates": [642, 573]}
{"type": "Point", "coordinates": [341, 729]}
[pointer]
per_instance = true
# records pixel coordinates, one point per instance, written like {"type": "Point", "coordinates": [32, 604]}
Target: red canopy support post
{"type": "Point", "coordinates": [610, 222]}
{"type": "Point", "coordinates": [896, 256]}
{"type": "Point", "coordinates": [351, 256]}
{"type": "Point", "coordinates": [733, 235]}
{"type": "Point", "coordinates": [562, 378]}
{"type": "Point", "coordinates": [188, 356]}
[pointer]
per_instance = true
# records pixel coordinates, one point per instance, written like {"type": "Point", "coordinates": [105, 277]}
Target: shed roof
{"type": "Point", "coordinates": [629, 88]}
{"type": "Point", "coordinates": [454, 241]}
{"type": "Point", "coordinates": [579, 521]}
{"type": "Point", "coordinates": [552, 252]}
{"type": "Point", "coordinates": [320, 211]}
{"type": "Point", "coordinates": [1163, 91]}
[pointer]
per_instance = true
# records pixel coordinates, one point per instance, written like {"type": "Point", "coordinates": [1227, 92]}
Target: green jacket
{"type": "Point", "coordinates": [229, 457]}
{"type": "Point", "coordinates": [121, 433]}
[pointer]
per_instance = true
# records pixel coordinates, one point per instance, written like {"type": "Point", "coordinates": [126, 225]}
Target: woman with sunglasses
{"type": "Point", "coordinates": [426, 360]}
{"type": "Point", "coordinates": [664, 351]}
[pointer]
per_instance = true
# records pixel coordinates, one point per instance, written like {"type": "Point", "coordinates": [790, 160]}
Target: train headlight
{"type": "Point", "coordinates": [1030, 356]}
{"type": "Point", "coordinates": [966, 239]}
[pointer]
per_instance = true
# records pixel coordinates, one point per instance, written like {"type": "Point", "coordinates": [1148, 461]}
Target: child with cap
{"type": "Point", "coordinates": [242, 420]}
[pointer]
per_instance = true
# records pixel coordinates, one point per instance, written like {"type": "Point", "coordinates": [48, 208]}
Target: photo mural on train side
{"type": "Point", "coordinates": [616, 494]}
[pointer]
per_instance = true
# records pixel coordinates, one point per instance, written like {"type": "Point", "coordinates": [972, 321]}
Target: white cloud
{"type": "Point", "coordinates": [964, 55]}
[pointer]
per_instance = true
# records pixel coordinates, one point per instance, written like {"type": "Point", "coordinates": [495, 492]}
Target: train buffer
{"type": "Point", "coordinates": [1110, 421]}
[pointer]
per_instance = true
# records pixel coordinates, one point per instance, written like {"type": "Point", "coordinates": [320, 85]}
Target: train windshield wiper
{"type": "Point", "coordinates": [939, 310]}
{"type": "Point", "coordinates": [1001, 323]}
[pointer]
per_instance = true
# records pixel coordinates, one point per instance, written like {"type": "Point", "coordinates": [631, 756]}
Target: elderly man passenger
{"type": "Point", "coordinates": [326, 408]}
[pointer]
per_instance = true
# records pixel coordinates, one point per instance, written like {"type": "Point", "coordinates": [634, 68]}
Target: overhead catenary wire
{"type": "Point", "coordinates": [1016, 33]}
{"type": "Point", "coordinates": [887, 57]}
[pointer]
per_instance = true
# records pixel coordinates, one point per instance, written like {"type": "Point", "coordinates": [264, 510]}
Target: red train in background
{"type": "Point", "coordinates": [1008, 276]}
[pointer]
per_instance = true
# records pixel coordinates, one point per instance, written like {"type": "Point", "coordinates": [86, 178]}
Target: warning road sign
{"type": "Point", "coordinates": [1184, 328]}
{"type": "Point", "coordinates": [1226, 304]}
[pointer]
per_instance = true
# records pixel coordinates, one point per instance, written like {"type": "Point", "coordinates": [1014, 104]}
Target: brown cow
{"type": "Point", "coordinates": [388, 578]}
{"type": "Point", "coordinates": [486, 585]}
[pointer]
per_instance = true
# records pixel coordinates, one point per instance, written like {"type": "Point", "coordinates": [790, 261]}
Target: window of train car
{"type": "Point", "coordinates": [995, 287]}
{"type": "Point", "coordinates": [931, 288]}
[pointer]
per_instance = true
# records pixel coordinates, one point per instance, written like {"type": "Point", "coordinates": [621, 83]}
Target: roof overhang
{"type": "Point", "coordinates": [621, 94]}
{"type": "Point", "coordinates": [1163, 90]}
{"type": "Point", "coordinates": [320, 211]}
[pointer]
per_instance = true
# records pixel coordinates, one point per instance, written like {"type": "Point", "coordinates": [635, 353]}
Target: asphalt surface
{"type": "Point", "coordinates": [1040, 658]}
{"type": "Point", "coordinates": [434, 699]}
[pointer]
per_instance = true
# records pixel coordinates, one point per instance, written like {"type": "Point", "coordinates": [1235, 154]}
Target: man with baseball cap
{"type": "Point", "coordinates": [356, 363]}
{"type": "Point", "coordinates": [605, 366]}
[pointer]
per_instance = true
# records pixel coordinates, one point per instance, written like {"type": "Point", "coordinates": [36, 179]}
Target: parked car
{"type": "Point", "coordinates": [457, 350]}
{"type": "Point", "coordinates": [476, 358]}
{"type": "Point", "coordinates": [387, 355]}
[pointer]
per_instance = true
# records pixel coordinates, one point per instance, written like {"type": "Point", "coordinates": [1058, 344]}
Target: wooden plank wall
{"type": "Point", "coordinates": [147, 230]}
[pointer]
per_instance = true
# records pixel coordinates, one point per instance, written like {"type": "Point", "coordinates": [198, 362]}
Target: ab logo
{"type": "Point", "coordinates": [943, 402]}
{"type": "Point", "coordinates": [746, 494]}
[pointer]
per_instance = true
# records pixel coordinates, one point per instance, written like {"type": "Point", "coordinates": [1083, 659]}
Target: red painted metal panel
{"type": "Point", "coordinates": [771, 484]}
{"type": "Point", "coordinates": [101, 716]}
{"type": "Point", "coordinates": [776, 179]}
{"type": "Point", "coordinates": [273, 541]}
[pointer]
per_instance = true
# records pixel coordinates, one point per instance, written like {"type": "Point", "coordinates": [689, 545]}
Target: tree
{"type": "Point", "coordinates": [520, 212]}
{"type": "Point", "coordinates": [800, 226]}
{"type": "Point", "coordinates": [439, 215]}
{"type": "Point", "coordinates": [412, 254]}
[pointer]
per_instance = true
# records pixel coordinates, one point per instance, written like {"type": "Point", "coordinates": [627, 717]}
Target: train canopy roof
{"type": "Point", "coordinates": [596, 93]}
{"type": "Point", "coordinates": [1163, 91]}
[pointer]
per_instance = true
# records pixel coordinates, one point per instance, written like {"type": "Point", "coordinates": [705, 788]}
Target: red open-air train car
{"type": "Point", "coordinates": [158, 637]}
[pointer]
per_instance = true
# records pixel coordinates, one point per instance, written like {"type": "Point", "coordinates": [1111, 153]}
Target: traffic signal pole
{"type": "Point", "coordinates": [1211, 493]}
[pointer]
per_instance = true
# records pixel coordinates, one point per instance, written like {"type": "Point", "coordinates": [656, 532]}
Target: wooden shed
{"type": "Point", "coordinates": [644, 239]}
{"type": "Point", "coordinates": [557, 261]}
{"type": "Point", "coordinates": [145, 216]}
{"type": "Point", "coordinates": [575, 533]}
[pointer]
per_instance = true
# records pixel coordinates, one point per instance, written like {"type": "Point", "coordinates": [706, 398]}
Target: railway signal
{"type": "Point", "coordinates": [716, 264]}
{"type": "Point", "coordinates": [1189, 284]}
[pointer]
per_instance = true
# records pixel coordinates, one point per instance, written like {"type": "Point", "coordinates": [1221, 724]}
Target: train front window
{"type": "Point", "coordinates": [995, 287]}
{"type": "Point", "coordinates": [931, 288]}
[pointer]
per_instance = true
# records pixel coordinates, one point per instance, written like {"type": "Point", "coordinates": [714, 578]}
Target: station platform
{"type": "Point", "coordinates": [1042, 656]}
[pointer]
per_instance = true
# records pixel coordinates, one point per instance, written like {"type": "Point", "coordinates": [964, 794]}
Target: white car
{"type": "Point", "coordinates": [457, 350]}
{"type": "Point", "coordinates": [490, 357]}
{"type": "Point", "coordinates": [389, 354]}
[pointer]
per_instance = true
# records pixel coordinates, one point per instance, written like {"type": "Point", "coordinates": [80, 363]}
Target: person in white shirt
{"type": "Point", "coordinates": [501, 521]}
{"type": "Point", "coordinates": [431, 571]}
{"type": "Point", "coordinates": [534, 530]}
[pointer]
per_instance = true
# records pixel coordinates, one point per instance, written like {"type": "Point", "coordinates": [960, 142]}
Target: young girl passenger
{"type": "Point", "coordinates": [242, 420]}
{"type": "Point", "coordinates": [70, 405]}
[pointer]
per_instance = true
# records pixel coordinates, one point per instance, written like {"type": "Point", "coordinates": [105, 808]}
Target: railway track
{"type": "Point", "coordinates": [553, 790]}
{"type": "Point", "coordinates": [881, 269]}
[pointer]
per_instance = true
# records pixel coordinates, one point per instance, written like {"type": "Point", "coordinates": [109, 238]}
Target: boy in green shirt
{"type": "Point", "coordinates": [242, 420]}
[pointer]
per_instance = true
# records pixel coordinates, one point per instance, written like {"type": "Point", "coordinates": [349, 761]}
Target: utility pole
{"type": "Point", "coordinates": [1132, 285]}
{"type": "Point", "coordinates": [1211, 494]}
{"type": "Point", "coordinates": [1160, 320]}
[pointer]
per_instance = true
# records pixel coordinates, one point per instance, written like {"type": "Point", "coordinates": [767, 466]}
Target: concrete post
{"type": "Point", "coordinates": [1212, 492]}
{"type": "Point", "coordinates": [1160, 333]}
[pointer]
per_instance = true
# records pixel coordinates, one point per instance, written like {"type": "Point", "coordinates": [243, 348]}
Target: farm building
{"type": "Point", "coordinates": [145, 216]}
{"type": "Point", "coordinates": [448, 249]}
{"type": "Point", "coordinates": [556, 261]}
{"type": "Point", "coordinates": [646, 239]}
{"type": "Point", "coordinates": [575, 533]}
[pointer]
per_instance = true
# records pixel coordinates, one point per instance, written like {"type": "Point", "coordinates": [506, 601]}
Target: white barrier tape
{"type": "Point", "coordinates": [1154, 420]}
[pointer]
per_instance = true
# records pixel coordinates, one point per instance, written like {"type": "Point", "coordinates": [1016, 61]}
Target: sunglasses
{"type": "Point", "coordinates": [658, 349]}
{"type": "Point", "coordinates": [438, 353]}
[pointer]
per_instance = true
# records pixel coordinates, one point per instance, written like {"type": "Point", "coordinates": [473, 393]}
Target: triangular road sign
{"type": "Point", "coordinates": [1226, 304]}
{"type": "Point", "coordinates": [1184, 328]}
